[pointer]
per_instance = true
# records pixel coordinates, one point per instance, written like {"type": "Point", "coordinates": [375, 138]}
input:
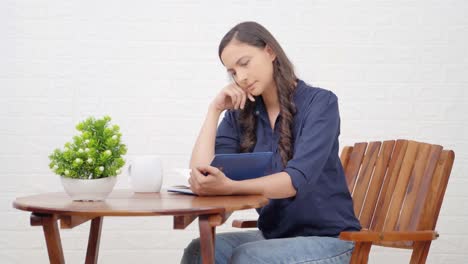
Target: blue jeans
{"type": "Point", "coordinates": [251, 247]}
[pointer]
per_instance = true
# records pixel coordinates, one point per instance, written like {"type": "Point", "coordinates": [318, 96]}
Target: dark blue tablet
{"type": "Point", "coordinates": [243, 166]}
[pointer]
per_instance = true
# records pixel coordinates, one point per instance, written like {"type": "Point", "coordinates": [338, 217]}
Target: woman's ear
{"type": "Point", "coordinates": [270, 52]}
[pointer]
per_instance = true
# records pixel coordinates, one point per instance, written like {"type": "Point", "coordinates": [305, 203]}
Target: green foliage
{"type": "Point", "coordinates": [95, 153]}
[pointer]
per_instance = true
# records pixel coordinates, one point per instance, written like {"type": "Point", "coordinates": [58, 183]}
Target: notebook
{"type": "Point", "coordinates": [239, 166]}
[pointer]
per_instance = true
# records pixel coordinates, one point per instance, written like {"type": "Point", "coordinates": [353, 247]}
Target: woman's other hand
{"type": "Point", "coordinates": [214, 183]}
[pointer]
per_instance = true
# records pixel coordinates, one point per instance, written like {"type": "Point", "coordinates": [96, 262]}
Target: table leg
{"type": "Point", "coordinates": [94, 240]}
{"type": "Point", "coordinates": [52, 235]}
{"type": "Point", "coordinates": [207, 239]}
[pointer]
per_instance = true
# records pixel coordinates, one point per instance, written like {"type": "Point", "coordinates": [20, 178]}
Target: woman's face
{"type": "Point", "coordinates": [251, 67]}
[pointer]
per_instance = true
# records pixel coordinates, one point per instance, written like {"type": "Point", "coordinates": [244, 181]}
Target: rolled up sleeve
{"type": "Point", "coordinates": [228, 135]}
{"type": "Point", "coordinates": [314, 144]}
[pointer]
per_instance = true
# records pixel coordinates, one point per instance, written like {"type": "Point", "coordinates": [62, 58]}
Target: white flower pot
{"type": "Point", "coordinates": [88, 190]}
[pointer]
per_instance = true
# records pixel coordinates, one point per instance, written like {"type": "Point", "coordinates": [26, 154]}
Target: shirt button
{"type": "Point", "coordinates": [257, 112]}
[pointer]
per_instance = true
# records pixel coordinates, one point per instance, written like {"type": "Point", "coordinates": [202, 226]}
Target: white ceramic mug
{"type": "Point", "coordinates": [145, 173]}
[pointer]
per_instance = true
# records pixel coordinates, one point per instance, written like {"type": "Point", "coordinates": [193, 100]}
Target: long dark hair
{"type": "Point", "coordinates": [254, 34]}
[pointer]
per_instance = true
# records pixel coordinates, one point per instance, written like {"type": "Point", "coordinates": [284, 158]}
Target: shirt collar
{"type": "Point", "coordinates": [260, 109]}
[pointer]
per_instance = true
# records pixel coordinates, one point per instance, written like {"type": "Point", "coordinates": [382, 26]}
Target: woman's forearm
{"type": "Point", "coordinates": [274, 186]}
{"type": "Point", "coordinates": [203, 151]}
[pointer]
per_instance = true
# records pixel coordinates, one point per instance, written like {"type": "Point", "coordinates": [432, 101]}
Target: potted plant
{"type": "Point", "coordinates": [88, 166]}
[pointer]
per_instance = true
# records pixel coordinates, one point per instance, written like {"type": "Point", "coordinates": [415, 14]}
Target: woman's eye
{"type": "Point", "coordinates": [245, 63]}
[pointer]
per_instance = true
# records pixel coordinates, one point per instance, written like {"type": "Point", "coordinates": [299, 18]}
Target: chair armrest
{"type": "Point", "coordinates": [371, 236]}
{"type": "Point", "coordinates": [241, 223]}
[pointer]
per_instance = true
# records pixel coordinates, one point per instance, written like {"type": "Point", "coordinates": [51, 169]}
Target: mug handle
{"type": "Point", "coordinates": [129, 171]}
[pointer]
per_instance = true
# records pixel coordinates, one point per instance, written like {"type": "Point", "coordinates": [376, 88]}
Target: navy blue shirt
{"type": "Point", "coordinates": [322, 205]}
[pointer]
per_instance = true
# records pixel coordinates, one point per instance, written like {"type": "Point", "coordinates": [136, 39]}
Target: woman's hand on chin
{"type": "Point", "coordinates": [231, 97]}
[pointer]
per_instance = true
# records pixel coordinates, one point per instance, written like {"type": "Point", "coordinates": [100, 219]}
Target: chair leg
{"type": "Point", "coordinates": [420, 252]}
{"type": "Point", "coordinates": [94, 240]}
{"type": "Point", "coordinates": [361, 253]}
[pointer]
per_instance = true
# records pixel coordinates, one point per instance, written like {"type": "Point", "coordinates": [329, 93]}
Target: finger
{"type": "Point", "coordinates": [243, 98]}
{"type": "Point", "coordinates": [199, 177]}
{"type": "Point", "coordinates": [193, 185]}
{"type": "Point", "coordinates": [209, 169]}
{"type": "Point", "coordinates": [251, 97]}
{"type": "Point", "coordinates": [232, 95]}
{"type": "Point", "coordinates": [193, 178]}
{"type": "Point", "coordinates": [190, 181]}
{"type": "Point", "coordinates": [238, 97]}
{"type": "Point", "coordinates": [240, 94]}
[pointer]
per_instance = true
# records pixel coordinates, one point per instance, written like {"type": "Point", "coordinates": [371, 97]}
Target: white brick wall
{"type": "Point", "coordinates": [399, 68]}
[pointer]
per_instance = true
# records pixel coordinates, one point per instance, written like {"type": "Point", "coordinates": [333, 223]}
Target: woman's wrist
{"type": "Point", "coordinates": [234, 187]}
{"type": "Point", "coordinates": [212, 108]}
{"type": "Point", "coordinates": [246, 187]}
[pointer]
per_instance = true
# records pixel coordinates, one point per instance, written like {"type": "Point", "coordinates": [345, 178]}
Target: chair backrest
{"type": "Point", "coordinates": [397, 185]}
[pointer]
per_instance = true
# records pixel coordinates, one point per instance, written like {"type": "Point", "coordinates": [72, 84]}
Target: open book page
{"type": "Point", "coordinates": [179, 182]}
{"type": "Point", "coordinates": [180, 189]}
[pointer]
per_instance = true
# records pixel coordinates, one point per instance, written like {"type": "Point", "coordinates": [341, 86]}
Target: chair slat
{"type": "Point", "coordinates": [412, 212]}
{"type": "Point", "coordinates": [435, 195]}
{"type": "Point", "coordinates": [401, 185]}
{"type": "Point", "coordinates": [388, 186]}
{"type": "Point", "coordinates": [345, 154]}
{"type": "Point", "coordinates": [374, 189]}
{"type": "Point", "coordinates": [365, 173]}
{"type": "Point", "coordinates": [414, 186]}
{"type": "Point", "coordinates": [354, 164]}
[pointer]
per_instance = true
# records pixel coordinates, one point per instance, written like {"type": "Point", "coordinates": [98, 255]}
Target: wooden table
{"type": "Point", "coordinates": [213, 211]}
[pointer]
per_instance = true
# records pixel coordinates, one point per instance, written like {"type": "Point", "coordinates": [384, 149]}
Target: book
{"type": "Point", "coordinates": [238, 167]}
{"type": "Point", "coordinates": [244, 166]}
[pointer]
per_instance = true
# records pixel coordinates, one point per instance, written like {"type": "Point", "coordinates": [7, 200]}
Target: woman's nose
{"type": "Point", "coordinates": [242, 78]}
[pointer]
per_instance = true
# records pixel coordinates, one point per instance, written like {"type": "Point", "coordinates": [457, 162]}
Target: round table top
{"type": "Point", "coordinates": [127, 203]}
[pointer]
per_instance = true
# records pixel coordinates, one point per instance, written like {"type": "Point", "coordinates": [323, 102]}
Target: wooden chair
{"type": "Point", "coordinates": [397, 189]}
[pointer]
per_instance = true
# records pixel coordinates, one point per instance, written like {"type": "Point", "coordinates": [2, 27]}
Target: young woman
{"type": "Point", "coordinates": [270, 109]}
